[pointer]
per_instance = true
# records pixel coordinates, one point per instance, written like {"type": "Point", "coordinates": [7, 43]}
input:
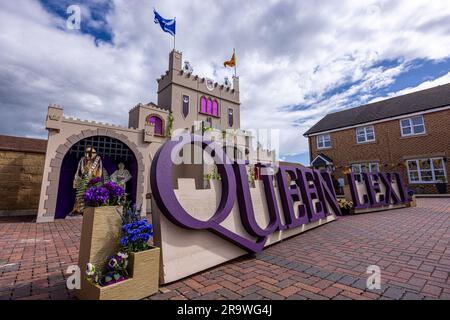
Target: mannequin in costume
{"type": "Point", "coordinates": [121, 176]}
{"type": "Point", "coordinates": [90, 166]}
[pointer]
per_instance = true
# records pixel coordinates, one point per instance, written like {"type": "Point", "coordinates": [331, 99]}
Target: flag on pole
{"type": "Point", "coordinates": [232, 62]}
{"type": "Point", "coordinates": [167, 25]}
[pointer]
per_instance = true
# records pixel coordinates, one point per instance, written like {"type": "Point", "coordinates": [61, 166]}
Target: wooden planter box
{"type": "Point", "coordinates": [144, 269]}
{"type": "Point", "coordinates": [100, 234]}
{"type": "Point", "coordinates": [143, 281]}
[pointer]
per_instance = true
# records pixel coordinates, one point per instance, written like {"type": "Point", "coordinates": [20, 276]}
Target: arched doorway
{"type": "Point", "coordinates": [112, 152]}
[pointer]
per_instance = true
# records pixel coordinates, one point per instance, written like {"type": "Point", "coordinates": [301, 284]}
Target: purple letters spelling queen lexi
{"type": "Point", "coordinates": [313, 187]}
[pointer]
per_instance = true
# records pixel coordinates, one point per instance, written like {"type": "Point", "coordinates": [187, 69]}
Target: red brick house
{"type": "Point", "coordinates": [408, 134]}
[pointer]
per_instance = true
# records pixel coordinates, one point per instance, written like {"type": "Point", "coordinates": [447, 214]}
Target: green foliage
{"type": "Point", "coordinates": [206, 129]}
{"type": "Point", "coordinates": [130, 213]}
{"type": "Point", "coordinates": [213, 175]}
{"type": "Point", "coordinates": [82, 187]}
{"type": "Point", "coordinates": [115, 270]}
{"type": "Point", "coordinates": [251, 175]}
{"type": "Point", "coordinates": [345, 204]}
{"type": "Point", "coordinates": [169, 125]}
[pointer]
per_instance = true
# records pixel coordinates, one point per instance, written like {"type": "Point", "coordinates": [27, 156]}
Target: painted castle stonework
{"type": "Point", "coordinates": [186, 103]}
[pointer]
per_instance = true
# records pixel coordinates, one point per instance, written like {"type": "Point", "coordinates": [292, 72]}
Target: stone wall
{"type": "Point", "coordinates": [21, 169]}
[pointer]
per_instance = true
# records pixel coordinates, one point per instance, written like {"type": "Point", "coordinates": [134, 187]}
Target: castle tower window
{"type": "Point", "coordinates": [203, 104]}
{"type": "Point", "coordinates": [215, 108]}
{"type": "Point", "coordinates": [209, 106]}
{"type": "Point", "coordinates": [157, 123]}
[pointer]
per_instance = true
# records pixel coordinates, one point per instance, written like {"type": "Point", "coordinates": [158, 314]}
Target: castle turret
{"type": "Point", "coordinates": [192, 98]}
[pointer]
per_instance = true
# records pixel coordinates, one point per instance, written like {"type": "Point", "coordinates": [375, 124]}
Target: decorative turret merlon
{"type": "Point", "coordinates": [54, 117]}
{"type": "Point", "coordinates": [175, 59]}
{"type": "Point", "coordinates": [236, 83]}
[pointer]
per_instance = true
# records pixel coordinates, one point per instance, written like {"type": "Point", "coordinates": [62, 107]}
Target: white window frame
{"type": "Point", "coordinates": [419, 170]}
{"type": "Point", "coordinates": [368, 165]}
{"type": "Point", "coordinates": [318, 138]}
{"type": "Point", "coordinates": [366, 140]}
{"type": "Point", "coordinates": [410, 125]}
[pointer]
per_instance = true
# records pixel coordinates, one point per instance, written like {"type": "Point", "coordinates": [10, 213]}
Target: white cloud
{"type": "Point", "coordinates": [289, 53]}
{"type": "Point", "coordinates": [424, 85]}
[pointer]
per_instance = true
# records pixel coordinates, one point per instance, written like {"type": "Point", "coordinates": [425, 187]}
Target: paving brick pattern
{"type": "Point", "coordinates": [411, 246]}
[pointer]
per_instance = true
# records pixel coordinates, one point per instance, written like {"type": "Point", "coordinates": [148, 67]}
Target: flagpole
{"type": "Point", "coordinates": [174, 36]}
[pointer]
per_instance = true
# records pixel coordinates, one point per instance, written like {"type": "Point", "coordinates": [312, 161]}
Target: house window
{"type": "Point", "coordinates": [359, 168]}
{"type": "Point", "coordinates": [412, 126]}
{"type": "Point", "coordinates": [430, 170]}
{"type": "Point", "coordinates": [323, 141]}
{"type": "Point", "coordinates": [209, 106]}
{"type": "Point", "coordinates": [365, 134]}
{"type": "Point", "coordinates": [157, 123]}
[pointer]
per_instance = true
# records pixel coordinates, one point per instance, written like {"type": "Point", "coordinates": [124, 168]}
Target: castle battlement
{"type": "Point", "coordinates": [203, 85]}
{"type": "Point", "coordinates": [95, 123]}
{"type": "Point", "coordinates": [149, 106]}
{"type": "Point", "coordinates": [200, 80]}
{"type": "Point", "coordinates": [183, 77]}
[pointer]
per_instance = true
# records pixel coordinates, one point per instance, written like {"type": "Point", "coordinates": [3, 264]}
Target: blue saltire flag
{"type": "Point", "coordinates": [167, 25]}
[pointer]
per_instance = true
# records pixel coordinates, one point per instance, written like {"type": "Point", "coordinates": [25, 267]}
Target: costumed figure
{"type": "Point", "coordinates": [121, 176]}
{"type": "Point", "coordinates": [90, 166]}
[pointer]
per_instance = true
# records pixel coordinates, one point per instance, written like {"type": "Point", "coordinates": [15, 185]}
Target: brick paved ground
{"type": "Point", "coordinates": [411, 246]}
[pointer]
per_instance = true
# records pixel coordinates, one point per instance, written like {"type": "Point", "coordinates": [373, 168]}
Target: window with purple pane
{"type": "Point", "coordinates": [215, 108]}
{"type": "Point", "coordinates": [209, 106]}
{"type": "Point", "coordinates": [203, 104]}
{"type": "Point", "coordinates": [157, 123]}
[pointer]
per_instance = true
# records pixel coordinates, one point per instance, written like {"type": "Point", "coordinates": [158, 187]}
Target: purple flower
{"type": "Point", "coordinates": [96, 195]}
{"type": "Point", "coordinates": [112, 263]}
{"type": "Point", "coordinates": [114, 189]}
{"type": "Point", "coordinates": [95, 180]}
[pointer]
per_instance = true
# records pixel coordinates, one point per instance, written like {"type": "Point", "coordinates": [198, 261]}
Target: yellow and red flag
{"type": "Point", "coordinates": [232, 62]}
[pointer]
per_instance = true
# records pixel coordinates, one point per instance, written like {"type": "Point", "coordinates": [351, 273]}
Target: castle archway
{"type": "Point", "coordinates": [113, 148]}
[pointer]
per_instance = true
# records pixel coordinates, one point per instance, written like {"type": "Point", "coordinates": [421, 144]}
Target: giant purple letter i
{"type": "Point", "coordinates": [312, 190]}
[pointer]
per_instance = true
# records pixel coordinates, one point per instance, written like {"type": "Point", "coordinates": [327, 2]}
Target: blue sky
{"type": "Point", "coordinates": [297, 61]}
{"type": "Point", "coordinates": [93, 13]}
